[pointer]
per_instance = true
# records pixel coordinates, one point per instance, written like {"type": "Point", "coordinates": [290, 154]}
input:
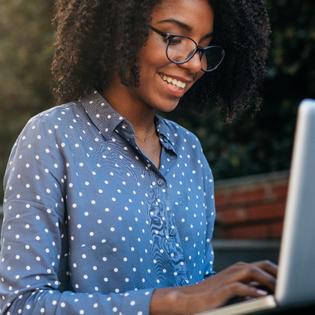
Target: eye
{"type": "Point", "coordinates": [174, 40]}
{"type": "Point", "coordinates": [207, 42]}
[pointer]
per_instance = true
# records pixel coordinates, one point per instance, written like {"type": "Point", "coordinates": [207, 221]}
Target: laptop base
{"type": "Point", "coordinates": [254, 305]}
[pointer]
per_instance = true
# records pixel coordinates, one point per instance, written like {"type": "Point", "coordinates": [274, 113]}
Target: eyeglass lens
{"type": "Point", "coordinates": [181, 49]}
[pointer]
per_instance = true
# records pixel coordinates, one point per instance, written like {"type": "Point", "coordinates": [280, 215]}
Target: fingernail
{"type": "Point", "coordinates": [261, 292]}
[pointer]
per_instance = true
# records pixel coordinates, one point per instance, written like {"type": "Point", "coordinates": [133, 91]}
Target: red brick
{"type": "Point", "coordinates": [280, 190]}
{"type": "Point", "coordinates": [245, 195]}
{"type": "Point", "coordinates": [257, 231]}
{"type": "Point", "coordinates": [251, 208]}
{"type": "Point", "coordinates": [259, 211]}
{"type": "Point", "coordinates": [240, 196]}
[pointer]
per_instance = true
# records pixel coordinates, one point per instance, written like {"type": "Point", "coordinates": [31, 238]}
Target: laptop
{"type": "Point", "coordinates": [296, 275]}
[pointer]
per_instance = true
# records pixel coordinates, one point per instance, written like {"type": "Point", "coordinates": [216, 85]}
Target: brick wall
{"type": "Point", "coordinates": [251, 207]}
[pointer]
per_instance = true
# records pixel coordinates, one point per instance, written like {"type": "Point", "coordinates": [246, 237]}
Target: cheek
{"type": "Point", "coordinates": [151, 58]}
{"type": "Point", "coordinates": [199, 75]}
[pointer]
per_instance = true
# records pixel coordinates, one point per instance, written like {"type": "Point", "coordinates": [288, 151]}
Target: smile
{"type": "Point", "coordinates": [173, 81]}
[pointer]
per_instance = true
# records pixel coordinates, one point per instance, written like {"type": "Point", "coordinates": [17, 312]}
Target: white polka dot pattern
{"type": "Point", "coordinates": [90, 225]}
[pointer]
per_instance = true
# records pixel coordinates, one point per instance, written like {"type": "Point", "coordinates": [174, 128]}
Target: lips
{"type": "Point", "coordinates": [173, 86]}
{"type": "Point", "coordinates": [173, 81]}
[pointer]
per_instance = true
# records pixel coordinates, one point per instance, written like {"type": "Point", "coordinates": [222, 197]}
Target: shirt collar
{"type": "Point", "coordinates": [104, 117]}
{"type": "Point", "coordinates": [165, 134]}
{"type": "Point", "coordinates": [107, 120]}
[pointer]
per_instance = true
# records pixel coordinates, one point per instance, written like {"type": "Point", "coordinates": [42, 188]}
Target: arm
{"type": "Point", "coordinates": [210, 213]}
{"type": "Point", "coordinates": [217, 289]}
{"type": "Point", "coordinates": [33, 237]}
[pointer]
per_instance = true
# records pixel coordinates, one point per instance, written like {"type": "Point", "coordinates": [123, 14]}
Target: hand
{"type": "Point", "coordinates": [239, 280]}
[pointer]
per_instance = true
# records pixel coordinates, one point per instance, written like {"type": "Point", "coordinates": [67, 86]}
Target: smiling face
{"type": "Point", "coordinates": [163, 83]}
{"type": "Point", "coordinates": [193, 18]}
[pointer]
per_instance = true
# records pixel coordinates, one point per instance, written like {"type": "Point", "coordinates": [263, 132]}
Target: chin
{"type": "Point", "coordinates": [166, 108]}
{"type": "Point", "coordinates": [165, 104]}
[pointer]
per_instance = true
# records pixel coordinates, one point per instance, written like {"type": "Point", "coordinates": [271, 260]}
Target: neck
{"type": "Point", "coordinates": [126, 103]}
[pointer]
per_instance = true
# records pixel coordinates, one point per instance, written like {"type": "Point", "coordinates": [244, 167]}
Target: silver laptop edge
{"type": "Point", "coordinates": [299, 223]}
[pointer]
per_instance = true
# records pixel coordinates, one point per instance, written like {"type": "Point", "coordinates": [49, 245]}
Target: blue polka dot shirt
{"type": "Point", "coordinates": [91, 226]}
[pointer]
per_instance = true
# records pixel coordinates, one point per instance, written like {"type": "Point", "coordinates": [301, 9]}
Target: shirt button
{"type": "Point", "coordinates": [160, 182]}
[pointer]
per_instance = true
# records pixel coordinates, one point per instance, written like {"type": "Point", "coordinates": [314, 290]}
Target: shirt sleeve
{"type": "Point", "coordinates": [210, 214]}
{"type": "Point", "coordinates": [33, 236]}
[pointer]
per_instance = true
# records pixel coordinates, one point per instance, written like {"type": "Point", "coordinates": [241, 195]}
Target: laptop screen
{"type": "Point", "coordinates": [296, 279]}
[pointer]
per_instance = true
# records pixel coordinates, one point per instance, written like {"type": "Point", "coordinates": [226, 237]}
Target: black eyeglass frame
{"type": "Point", "coordinates": [168, 36]}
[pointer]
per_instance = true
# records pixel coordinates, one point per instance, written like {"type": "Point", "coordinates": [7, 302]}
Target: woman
{"type": "Point", "coordinates": [109, 208]}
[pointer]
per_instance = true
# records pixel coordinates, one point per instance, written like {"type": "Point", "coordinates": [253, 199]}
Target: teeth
{"type": "Point", "coordinates": [175, 82]}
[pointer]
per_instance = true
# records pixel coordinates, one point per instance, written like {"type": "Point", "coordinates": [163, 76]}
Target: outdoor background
{"type": "Point", "coordinates": [251, 145]}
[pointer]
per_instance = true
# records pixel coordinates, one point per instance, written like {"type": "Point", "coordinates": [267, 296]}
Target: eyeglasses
{"type": "Point", "coordinates": [180, 49]}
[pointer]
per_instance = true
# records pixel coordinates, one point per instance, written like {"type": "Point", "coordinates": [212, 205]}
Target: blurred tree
{"type": "Point", "coordinates": [26, 38]}
{"type": "Point", "coordinates": [263, 142]}
{"type": "Point", "coordinates": [252, 144]}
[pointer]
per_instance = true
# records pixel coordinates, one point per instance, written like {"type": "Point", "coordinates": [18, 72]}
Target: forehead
{"type": "Point", "coordinates": [196, 13]}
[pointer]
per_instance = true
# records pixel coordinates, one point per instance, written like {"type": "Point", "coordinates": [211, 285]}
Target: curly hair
{"type": "Point", "coordinates": [96, 38]}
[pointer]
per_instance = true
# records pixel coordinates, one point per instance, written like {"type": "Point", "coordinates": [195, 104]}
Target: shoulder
{"type": "Point", "coordinates": [45, 131]}
{"type": "Point", "coordinates": [187, 144]}
{"type": "Point", "coordinates": [51, 123]}
{"type": "Point", "coordinates": [44, 134]}
{"type": "Point", "coordinates": [54, 116]}
{"type": "Point", "coordinates": [179, 135]}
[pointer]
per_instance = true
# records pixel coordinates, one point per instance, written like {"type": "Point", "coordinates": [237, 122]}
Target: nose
{"type": "Point", "coordinates": [193, 65]}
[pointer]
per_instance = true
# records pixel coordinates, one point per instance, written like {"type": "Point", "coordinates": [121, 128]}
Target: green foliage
{"type": "Point", "coordinates": [252, 144]}
{"type": "Point", "coordinates": [26, 38]}
{"type": "Point", "coordinates": [262, 142]}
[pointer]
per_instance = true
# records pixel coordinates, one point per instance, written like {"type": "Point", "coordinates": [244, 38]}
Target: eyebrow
{"type": "Point", "coordinates": [184, 26]}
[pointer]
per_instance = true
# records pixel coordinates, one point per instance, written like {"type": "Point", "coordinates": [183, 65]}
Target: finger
{"type": "Point", "coordinates": [239, 289]}
{"type": "Point", "coordinates": [253, 273]}
{"type": "Point", "coordinates": [249, 272]}
{"type": "Point", "coordinates": [268, 266]}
